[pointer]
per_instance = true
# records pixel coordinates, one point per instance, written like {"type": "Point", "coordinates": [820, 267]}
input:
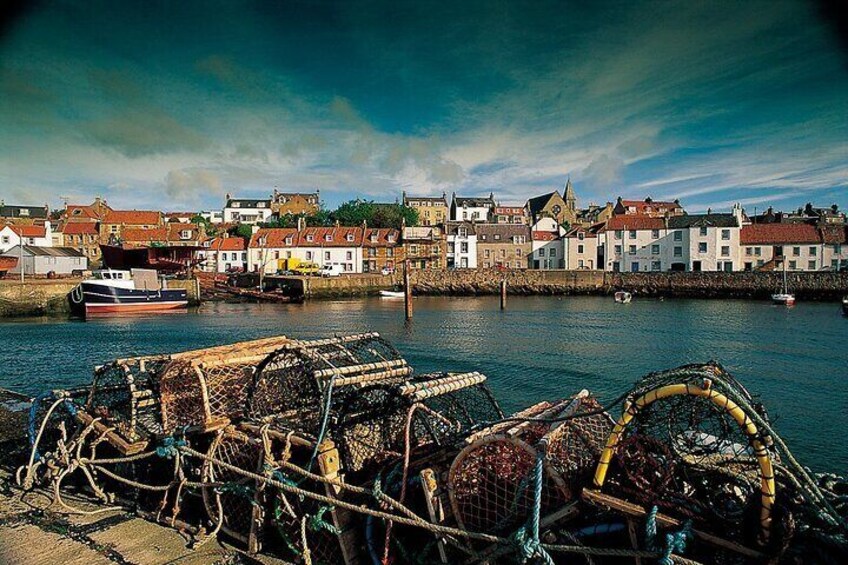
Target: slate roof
{"type": "Point", "coordinates": [702, 220]}
{"type": "Point", "coordinates": [375, 237]}
{"type": "Point", "coordinates": [537, 203]}
{"type": "Point", "coordinates": [474, 202]}
{"type": "Point", "coordinates": [249, 202]}
{"type": "Point", "coordinates": [36, 212]}
{"type": "Point", "coordinates": [488, 231]}
{"type": "Point", "coordinates": [52, 251]}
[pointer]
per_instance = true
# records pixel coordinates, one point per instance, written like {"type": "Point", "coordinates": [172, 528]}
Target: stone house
{"type": "Point", "coordinates": [432, 211]}
{"type": "Point", "coordinates": [115, 221]}
{"type": "Point", "coordinates": [647, 207]}
{"type": "Point", "coordinates": [84, 236]}
{"type": "Point", "coordinates": [295, 203]}
{"type": "Point", "coordinates": [425, 247]}
{"type": "Point", "coordinates": [503, 245]}
{"type": "Point", "coordinates": [381, 249]}
{"type": "Point", "coordinates": [510, 215]}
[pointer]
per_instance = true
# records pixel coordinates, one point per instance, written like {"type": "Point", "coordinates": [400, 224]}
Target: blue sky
{"type": "Point", "coordinates": [173, 105]}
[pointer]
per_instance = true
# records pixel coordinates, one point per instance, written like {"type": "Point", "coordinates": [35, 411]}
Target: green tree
{"type": "Point", "coordinates": [210, 228]}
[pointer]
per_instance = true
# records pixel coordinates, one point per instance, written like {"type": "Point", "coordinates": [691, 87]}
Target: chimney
{"type": "Point", "coordinates": [228, 197]}
{"type": "Point", "coordinates": [301, 223]}
{"type": "Point", "coordinates": [253, 229]}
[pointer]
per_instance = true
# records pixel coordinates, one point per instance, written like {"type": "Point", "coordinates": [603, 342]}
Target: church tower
{"type": "Point", "coordinates": [569, 197]}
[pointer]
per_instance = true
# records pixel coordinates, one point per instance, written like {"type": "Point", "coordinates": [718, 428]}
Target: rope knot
{"type": "Point", "coordinates": [170, 447]}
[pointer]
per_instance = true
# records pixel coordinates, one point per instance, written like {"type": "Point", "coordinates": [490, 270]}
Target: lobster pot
{"type": "Point", "coordinates": [206, 388]}
{"type": "Point", "coordinates": [689, 450]}
{"type": "Point", "coordinates": [124, 395]}
{"type": "Point", "coordinates": [574, 446]}
{"type": "Point", "coordinates": [490, 483]}
{"type": "Point", "coordinates": [301, 379]}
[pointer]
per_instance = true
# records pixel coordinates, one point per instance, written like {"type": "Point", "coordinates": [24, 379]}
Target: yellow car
{"type": "Point", "coordinates": [306, 269]}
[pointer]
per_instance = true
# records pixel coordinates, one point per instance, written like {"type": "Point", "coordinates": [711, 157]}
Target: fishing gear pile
{"type": "Point", "coordinates": [336, 451]}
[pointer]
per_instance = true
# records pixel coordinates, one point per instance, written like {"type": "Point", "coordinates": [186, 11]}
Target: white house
{"type": "Point", "coordinates": [471, 209]}
{"type": "Point", "coordinates": [323, 246]}
{"type": "Point", "coordinates": [461, 245]}
{"type": "Point", "coordinates": [34, 235]}
{"type": "Point", "coordinates": [224, 255]}
{"type": "Point", "coordinates": [547, 251]}
{"type": "Point", "coordinates": [36, 260]}
{"type": "Point", "coordinates": [247, 210]}
{"type": "Point", "coordinates": [581, 248]}
{"type": "Point", "coordinates": [212, 216]}
{"type": "Point", "coordinates": [835, 253]}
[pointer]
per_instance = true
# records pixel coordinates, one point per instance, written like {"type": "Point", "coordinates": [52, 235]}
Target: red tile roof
{"type": "Point", "coordinates": [544, 236]}
{"type": "Point", "coordinates": [133, 217]}
{"type": "Point", "coordinates": [643, 207]}
{"type": "Point", "coordinates": [227, 244]}
{"type": "Point", "coordinates": [81, 212]}
{"type": "Point", "coordinates": [834, 234]}
{"type": "Point", "coordinates": [331, 237]}
{"type": "Point", "coordinates": [321, 237]}
{"type": "Point", "coordinates": [779, 234]}
{"type": "Point", "coordinates": [29, 230]}
{"type": "Point", "coordinates": [274, 237]}
{"type": "Point", "coordinates": [382, 237]}
{"type": "Point", "coordinates": [634, 222]}
{"type": "Point", "coordinates": [80, 228]}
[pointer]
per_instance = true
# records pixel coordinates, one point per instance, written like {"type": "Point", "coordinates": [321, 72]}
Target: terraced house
{"type": "Point", "coordinates": [114, 223]}
{"type": "Point", "coordinates": [768, 246]}
{"type": "Point", "coordinates": [425, 247]}
{"type": "Point", "coordinates": [503, 246]}
{"type": "Point", "coordinates": [432, 211]}
{"type": "Point", "coordinates": [381, 250]}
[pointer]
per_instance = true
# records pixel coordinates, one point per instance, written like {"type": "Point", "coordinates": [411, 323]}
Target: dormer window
{"type": "Point", "coordinates": [260, 204]}
{"type": "Point", "coordinates": [373, 238]}
{"type": "Point", "coordinates": [236, 204]}
{"type": "Point", "coordinates": [310, 237]}
{"type": "Point", "coordinates": [349, 237]}
{"type": "Point", "coordinates": [462, 232]}
{"type": "Point", "coordinates": [497, 237]}
{"type": "Point", "coordinates": [328, 237]}
{"type": "Point", "coordinates": [263, 240]}
{"type": "Point", "coordinates": [391, 238]}
{"type": "Point", "coordinates": [581, 236]}
{"type": "Point", "coordinates": [77, 212]}
{"type": "Point", "coordinates": [288, 240]}
{"type": "Point", "coordinates": [185, 234]}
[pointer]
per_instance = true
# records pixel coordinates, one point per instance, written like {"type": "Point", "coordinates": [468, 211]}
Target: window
{"type": "Point", "coordinates": [793, 265]}
{"type": "Point", "coordinates": [837, 249]}
{"type": "Point", "coordinates": [350, 237]}
{"type": "Point", "coordinates": [518, 253]}
{"type": "Point", "coordinates": [276, 255]}
{"type": "Point", "coordinates": [618, 250]}
{"type": "Point", "coordinates": [326, 256]}
{"type": "Point", "coordinates": [553, 252]}
{"type": "Point", "coordinates": [678, 235]}
{"type": "Point", "coordinates": [497, 237]}
{"type": "Point", "coordinates": [580, 263]}
{"type": "Point", "coordinates": [725, 235]}
{"type": "Point", "coordinates": [758, 251]}
{"type": "Point", "coordinates": [486, 265]}
{"type": "Point", "coordinates": [413, 249]}
{"type": "Point", "coordinates": [288, 240]}
{"type": "Point", "coordinates": [5, 239]}
{"type": "Point", "coordinates": [632, 249]}
{"type": "Point", "coordinates": [725, 251]}
{"type": "Point", "coordinates": [482, 237]}
{"type": "Point", "coordinates": [464, 247]}
{"type": "Point", "coordinates": [349, 255]}
{"type": "Point", "coordinates": [113, 229]}
{"type": "Point", "coordinates": [486, 254]}
{"type": "Point", "coordinates": [310, 237]}
{"type": "Point", "coordinates": [678, 251]}
{"type": "Point", "coordinates": [542, 252]}
{"type": "Point", "coordinates": [288, 255]}
{"type": "Point", "coordinates": [634, 267]}
{"type": "Point", "coordinates": [655, 249]}
{"type": "Point", "coordinates": [703, 230]}
{"type": "Point", "coordinates": [503, 253]}
{"type": "Point", "coordinates": [632, 234]}
{"type": "Point", "coordinates": [309, 256]}
{"type": "Point", "coordinates": [656, 265]}
{"type": "Point", "coordinates": [811, 265]}
{"type": "Point", "coordinates": [796, 251]}
{"type": "Point", "coordinates": [328, 237]}
{"type": "Point", "coordinates": [618, 234]}
{"type": "Point", "coordinates": [749, 251]}
{"type": "Point", "coordinates": [813, 251]}
{"type": "Point", "coordinates": [581, 236]}
{"type": "Point", "coordinates": [702, 247]}
{"type": "Point", "coordinates": [580, 249]}
{"type": "Point", "coordinates": [462, 232]}
{"type": "Point", "coordinates": [372, 252]}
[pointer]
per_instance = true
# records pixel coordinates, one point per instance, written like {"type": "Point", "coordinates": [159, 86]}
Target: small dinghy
{"type": "Point", "coordinates": [391, 294]}
{"type": "Point", "coordinates": [623, 297]}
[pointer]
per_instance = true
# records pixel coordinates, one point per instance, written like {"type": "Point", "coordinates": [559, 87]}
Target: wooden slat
{"type": "Point", "coordinates": [119, 443]}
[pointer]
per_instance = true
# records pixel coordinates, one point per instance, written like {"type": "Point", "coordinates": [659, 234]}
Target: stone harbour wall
{"type": "Point", "coordinates": [487, 281]}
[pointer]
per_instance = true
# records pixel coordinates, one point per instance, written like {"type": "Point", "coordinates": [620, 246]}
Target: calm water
{"type": "Point", "coordinates": [541, 347]}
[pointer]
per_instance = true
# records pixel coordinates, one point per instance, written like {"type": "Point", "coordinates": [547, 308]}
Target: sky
{"type": "Point", "coordinates": [173, 105]}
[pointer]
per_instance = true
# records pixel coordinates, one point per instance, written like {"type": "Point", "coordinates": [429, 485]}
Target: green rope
{"type": "Point", "coordinates": [526, 538]}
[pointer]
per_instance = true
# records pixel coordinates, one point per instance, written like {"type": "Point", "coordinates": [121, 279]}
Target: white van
{"type": "Point", "coordinates": [331, 271]}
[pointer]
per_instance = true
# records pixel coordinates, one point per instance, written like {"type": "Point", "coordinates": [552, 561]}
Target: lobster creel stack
{"type": "Point", "coordinates": [335, 451]}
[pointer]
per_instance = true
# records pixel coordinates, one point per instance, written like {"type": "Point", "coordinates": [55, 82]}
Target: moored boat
{"type": "Point", "coordinates": [391, 294]}
{"type": "Point", "coordinates": [623, 297]}
{"type": "Point", "coordinates": [111, 291]}
{"type": "Point", "coordinates": [783, 297]}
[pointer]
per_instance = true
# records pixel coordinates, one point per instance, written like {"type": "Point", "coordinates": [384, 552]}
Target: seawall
{"type": "Point", "coordinates": [47, 297]}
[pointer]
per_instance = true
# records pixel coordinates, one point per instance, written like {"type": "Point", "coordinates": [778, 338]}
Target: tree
{"type": "Point", "coordinates": [208, 226]}
{"type": "Point", "coordinates": [354, 212]}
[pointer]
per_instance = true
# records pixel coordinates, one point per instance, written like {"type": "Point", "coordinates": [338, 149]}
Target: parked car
{"type": "Point", "coordinates": [331, 271]}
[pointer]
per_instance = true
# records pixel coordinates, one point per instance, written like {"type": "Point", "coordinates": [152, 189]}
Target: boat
{"type": "Point", "coordinates": [391, 294]}
{"type": "Point", "coordinates": [623, 297]}
{"type": "Point", "coordinates": [112, 291]}
{"type": "Point", "coordinates": [845, 305]}
{"type": "Point", "coordinates": [784, 297]}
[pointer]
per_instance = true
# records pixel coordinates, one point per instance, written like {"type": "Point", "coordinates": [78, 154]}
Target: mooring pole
{"type": "Point", "coordinates": [503, 294]}
{"type": "Point", "coordinates": [407, 291]}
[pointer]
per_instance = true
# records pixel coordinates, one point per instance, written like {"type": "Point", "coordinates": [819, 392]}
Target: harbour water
{"type": "Point", "coordinates": [795, 359]}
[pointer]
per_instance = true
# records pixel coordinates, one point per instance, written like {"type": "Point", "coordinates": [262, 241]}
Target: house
{"type": "Point", "coordinates": [381, 248]}
{"type": "Point", "coordinates": [461, 252]}
{"type": "Point", "coordinates": [510, 215]}
{"type": "Point", "coordinates": [547, 251]}
{"type": "Point", "coordinates": [594, 214]}
{"type": "Point", "coordinates": [295, 203]}
{"type": "Point", "coordinates": [28, 234]}
{"type": "Point", "coordinates": [553, 205]}
{"type": "Point", "coordinates": [581, 249]}
{"type": "Point", "coordinates": [321, 245]}
{"type": "Point", "coordinates": [224, 255]}
{"type": "Point", "coordinates": [693, 242]}
{"type": "Point", "coordinates": [178, 217]}
{"type": "Point", "coordinates": [503, 245]}
{"type": "Point", "coordinates": [432, 211]}
{"type": "Point", "coordinates": [36, 260]}
{"type": "Point", "coordinates": [212, 216]}
{"type": "Point", "coordinates": [768, 246]}
{"type": "Point", "coordinates": [425, 247]}
{"type": "Point", "coordinates": [115, 221]}
{"type": "Point", "coordinates": [247, 210]}
{"type": "Point", "coordinates": [471, 209]}
{"type": "Point", "coordinates": [173, 234]}
{"type": "Point", "coordinates": [835, 244]}
{"type": "Point", "coordinates": [23, 213]}
{"type": "Point", "coordinates": [84, 236]}
{"type": "Point", "coordinates": [93, 212]}
{"type": "Point", "coordinates": [647, 207]}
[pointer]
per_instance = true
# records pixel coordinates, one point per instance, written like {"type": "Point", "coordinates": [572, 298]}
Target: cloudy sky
{"type": "Point", "coordinates": [172, 105]}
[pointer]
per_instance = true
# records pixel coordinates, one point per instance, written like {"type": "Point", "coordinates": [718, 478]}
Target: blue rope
{"type": "Point", "coordinates": [651, 528]}
{"type": "Point", "coordinates": [598, 529]}
{"type": "Point", "coordinates": [324, 421]}
{"type": "Point", "coordinates": [170, 447]}
{"type": "Point", "coordinates": [675, 542]}
{"type": "Point", "coordinates": [527, 536]}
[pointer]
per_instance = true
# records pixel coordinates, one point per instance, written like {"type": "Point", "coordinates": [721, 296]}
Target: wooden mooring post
{"type": "Point", "coordinates": [503, 294]}
{"type": "Point", "coordinates": [407, 291]}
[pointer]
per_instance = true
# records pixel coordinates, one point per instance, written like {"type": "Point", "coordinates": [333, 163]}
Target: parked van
{"type": "Point", "coordinates": [304, 268]}
{"type": "Point", "coordinates": [331, 271]}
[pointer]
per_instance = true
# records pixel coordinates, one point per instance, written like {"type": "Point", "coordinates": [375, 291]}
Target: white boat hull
{"type": "Point", "coordinates": [391, 294]}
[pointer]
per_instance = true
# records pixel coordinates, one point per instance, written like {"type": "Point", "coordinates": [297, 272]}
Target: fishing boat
{"type": "Point", "coordinates": [784, 297]}
{"type": "Point", "coordinates": [623, 297]}
{"type": "Point", "coordinates": [391, 294]}
{"type": "Point", "coordinates": [111, 291]}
